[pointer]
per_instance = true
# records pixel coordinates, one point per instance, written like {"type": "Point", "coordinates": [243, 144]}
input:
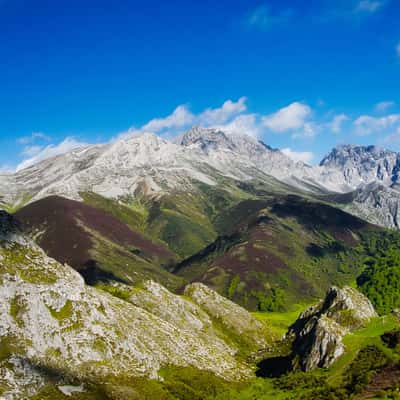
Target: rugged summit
{"type": "Point", "coordinates": [362, 165]}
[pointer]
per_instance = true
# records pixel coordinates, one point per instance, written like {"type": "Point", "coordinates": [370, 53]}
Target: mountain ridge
{"type": "Point", "coordinates": [151, 166]}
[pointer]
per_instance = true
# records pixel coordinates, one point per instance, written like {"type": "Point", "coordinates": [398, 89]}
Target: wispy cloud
{"type": "Point", "coordinates": [384, 106]}
{"type": "Point", "coordinates": [398, 49]}
{"type": "Point", "coordinates": [337, 122]}
{"type": "Point", "coordinates": [34, 136]}
{"type": "Point", "coordinates": [224, 113]}
{"type": "Point", "coordinates": [52, 150]}
{"type": "Point", "coordinates": [262, 18]}
{"type": "Point", "coordinates": [351, 10]}
{"type": "Point", "coordinates": [367, 125]}
{"type": "Point", "coordinates": [179, 118]}
{"type": "Point", "coordinates": [296, 119]}
{"type": "Point", "coordinates": [182, 118]}
{"type": "Point", "coordinates": [303, 156]}
{"type": "Point", "coordinates": [248, 124]}
{"type": "Point", "coordinates": [31, 151]}
{"type": "Point", "coordinates": [368, 6]}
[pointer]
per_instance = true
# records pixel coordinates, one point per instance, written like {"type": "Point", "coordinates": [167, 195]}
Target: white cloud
{"type": "Point", "coordinates": [245, 124]}
{"type": "Point", "coordinates": [32, 150]}
{"type": "Point", "coordinates": [179, 118]}
{"type": "Point", "coordinates": [303, 156]}
{"type": "Point", "coordinates": [51, 150]}
{"type": "Point", "coordinates": [384, 105]}
{"type": "Point", "coordinates": [182, 118]}
{"type": "Point", "coordinates": [229, 109]}
{"type": "Point", "coordinates": [307, 131]}
{"type": "Point", "coordinates": [292, 117]}
{"type": "Point", "coordinates": [337, 122]}
{"type": "Point", "coordinates": [350, 10]}
{"type": "Point", "coordinates": [398, 49]}
{"type": "Point", "coordinates": [232, 118]}
{"type": "Point", "coordinates": [368, 6]}
{"type": "Point", "coordinates": [365, 124]}
{"type": "Point", "coordinates": [259, 17]}
{"type": "Point", "coordinates": [297, 119]}
{"type": "Point", "coordinates": [33, 137]}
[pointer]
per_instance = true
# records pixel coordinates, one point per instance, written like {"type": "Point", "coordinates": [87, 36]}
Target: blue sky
{"type": "Point", "coordinates": [303, 76]}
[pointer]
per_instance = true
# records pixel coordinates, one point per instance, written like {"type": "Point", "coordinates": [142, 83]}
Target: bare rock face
{"type": "Point", "coordinates": [317, 334]}
{"type": "Point", "coordinates": [363, 164]}
{"type": "Point", "coordinates": [318, 343]}
{"type": "Point", "coordinates": [233, 318]}
{"type": "Point", "coordinates": [51, 321]}
{"type": "Point", "coordinates": [348, 307]}
{"type": "Point", "coordinates": [376, 203]}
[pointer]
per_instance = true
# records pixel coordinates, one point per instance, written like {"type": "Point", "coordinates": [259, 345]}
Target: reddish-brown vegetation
{"type": "Point", "coordinates": [67, 230]}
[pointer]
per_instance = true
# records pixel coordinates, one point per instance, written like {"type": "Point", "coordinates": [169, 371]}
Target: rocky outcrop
{"type": "Point", "coordinates": [232, 317]}
{"type": "Point", "coordinates": [317, 334]}
{"type": "Point", "coordinates": [51, 321]}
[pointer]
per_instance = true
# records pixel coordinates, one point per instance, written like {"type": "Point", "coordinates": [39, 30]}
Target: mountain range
{"type": "Point", "coordinates": [148, 165]}
{"type": "Point", "coordinates": [155, 269]}
{"type": "Point", "coordinates": [223, 209]}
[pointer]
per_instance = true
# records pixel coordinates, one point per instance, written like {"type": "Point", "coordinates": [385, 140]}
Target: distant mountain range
{"type": "Point", "coordinates": [362, 180]}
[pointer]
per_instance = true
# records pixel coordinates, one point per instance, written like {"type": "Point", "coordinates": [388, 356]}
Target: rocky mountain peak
{"type": "Point", "coordinates": [344, 154]}
{"type": "Point", "coordinates": [212, 139]}
{"type": "Point", "coordinates": [363, 164]}
{"type": "Point", "coordinates": [206, 139]}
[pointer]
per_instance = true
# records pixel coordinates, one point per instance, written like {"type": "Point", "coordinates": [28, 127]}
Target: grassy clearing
{"type": "Point", "coordinates": [279, 322]}
{"type": "Point", "coordinates": [359, 339]}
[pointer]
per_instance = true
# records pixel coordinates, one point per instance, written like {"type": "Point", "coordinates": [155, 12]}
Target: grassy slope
{"type": "Point", "coordinates": [278, 251]}
{"type": "Point", "coordinates": [96, 243]}
{"type": "Point", "coordinates": [268, 249]}
{"type": "Point", "coordinates": [279, 321]}
{"type": "Point", "coordinates": [182, 221]}
{"type": "Point", "coordinates": [265, 252]}
{"type": "Point", "coordinates": [185, 221]}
